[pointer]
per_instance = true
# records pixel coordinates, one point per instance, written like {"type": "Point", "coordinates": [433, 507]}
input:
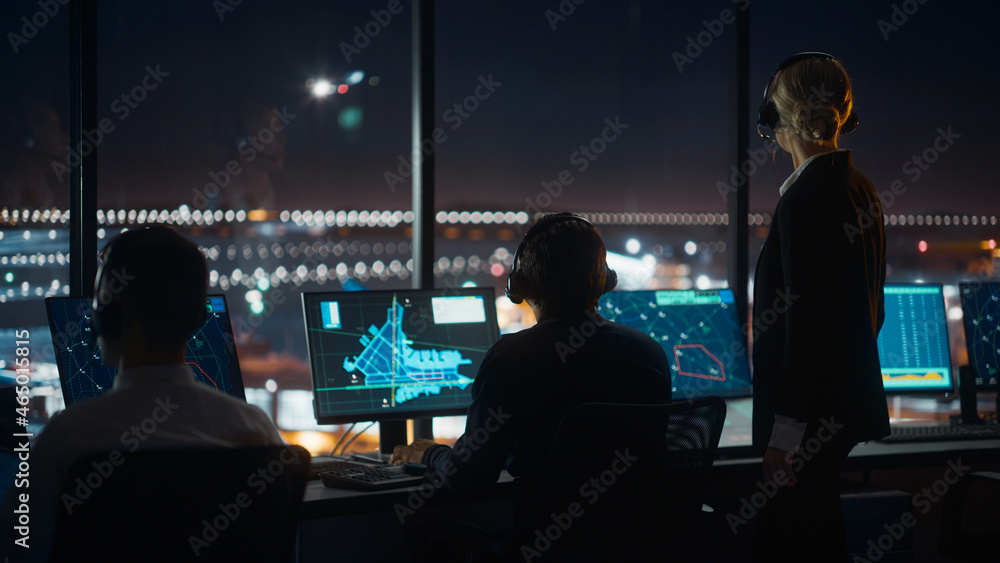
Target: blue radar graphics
{"type": "Point", "coordinates": [699, 331]}
{"type": "Point", "coordinates": [382, 355]}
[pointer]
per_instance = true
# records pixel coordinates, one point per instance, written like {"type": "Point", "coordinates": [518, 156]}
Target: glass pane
{"type": "Point", "coordinates": [617, 110]}
{"type": "Point", "coordinates": [925, 138]}
{"type": "Point", "coordinates": [34, 193]}
{"type": "Point", "coordinates": [263, 134]}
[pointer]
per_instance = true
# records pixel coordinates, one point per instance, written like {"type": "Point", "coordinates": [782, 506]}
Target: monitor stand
{"type": "Point", "coordinates": [392, 433]}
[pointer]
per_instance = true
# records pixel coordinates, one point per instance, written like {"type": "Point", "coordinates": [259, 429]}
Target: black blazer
{"type": "Point", "coordinates": [818, 305]}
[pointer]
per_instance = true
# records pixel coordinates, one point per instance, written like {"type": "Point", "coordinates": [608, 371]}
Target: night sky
{"type": "Point", "coordinates": [556, 84]}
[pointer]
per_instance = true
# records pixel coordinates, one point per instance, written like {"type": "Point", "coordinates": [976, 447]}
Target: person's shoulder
{"type": "Point", "coordinates": [632, 336]}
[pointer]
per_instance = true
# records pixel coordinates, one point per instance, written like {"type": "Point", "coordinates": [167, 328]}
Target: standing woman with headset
{"type": "Point", "coordinates": [817, 380]}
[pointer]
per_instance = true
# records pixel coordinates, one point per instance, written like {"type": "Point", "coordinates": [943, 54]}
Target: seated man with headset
{"type": "Point", "coordinates": [529, 379]}
{"type": "Point", "coordinates": [149, 299]}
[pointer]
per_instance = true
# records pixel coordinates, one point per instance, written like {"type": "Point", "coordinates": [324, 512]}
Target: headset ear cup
{"type": "Point", "coordinates": [850, 124]}
{"type": "Point", "coordinates": [107, 320]}
{"type": "Point", "coordinates": [515, 287]}
{"type": "Point", "coordinates": [610, 280]}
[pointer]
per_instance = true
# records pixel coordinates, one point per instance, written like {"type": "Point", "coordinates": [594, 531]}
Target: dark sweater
{"type": "Point", "coordinates": [529, 379]}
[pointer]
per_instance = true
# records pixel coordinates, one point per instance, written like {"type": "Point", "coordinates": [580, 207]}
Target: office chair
{"type": "Point", "coordinates": [976, 498]}
{"type": "Point", "coordinates": [190, 504]}
{"type": "Point", "coordinates": [625, 483]}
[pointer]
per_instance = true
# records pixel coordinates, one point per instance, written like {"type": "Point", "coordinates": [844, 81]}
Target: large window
{"type": "Point", "coordinates": [278, 137]}
{"type": "Point", "coordinates": [34, 190]}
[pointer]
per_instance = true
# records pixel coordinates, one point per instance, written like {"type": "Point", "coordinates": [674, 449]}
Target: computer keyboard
{"type": "Point", "coordinates": [361, 477]}
{"type": "Point", "coordinates": [317, 466]}
{"type": "Point", "coordinates": [943, 432]}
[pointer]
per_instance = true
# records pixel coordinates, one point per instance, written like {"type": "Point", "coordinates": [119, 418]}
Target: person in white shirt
{"type": "Point", "coordinates": [149, 299]}
{"type": "Point", "coordinates": [818, 308]}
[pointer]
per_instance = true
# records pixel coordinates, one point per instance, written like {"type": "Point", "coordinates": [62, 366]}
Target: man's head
{"type": "Point", "coordinates": [150, 289]}
{"type": "Point", "coordinates": [561, 265]}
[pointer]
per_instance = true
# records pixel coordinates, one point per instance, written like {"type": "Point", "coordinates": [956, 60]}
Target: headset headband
{"type": "Point", "coordinates": [767, 114]}
{"type": "Point", "coordinates": [516, 281]}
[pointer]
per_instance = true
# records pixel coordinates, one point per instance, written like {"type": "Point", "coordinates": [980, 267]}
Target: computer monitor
{"type": "Point", "coordinates": [699, 331]}
{"type": "Point", "coordinates": [211, 352]}
{"type": "Point", "coordinates": [394, 355]}
{"type": "Point", "coordinates": [913, 343]}
{"type": "Point", "coordinates": [981, 313]}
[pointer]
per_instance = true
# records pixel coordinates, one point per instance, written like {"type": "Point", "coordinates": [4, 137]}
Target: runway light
{"type": "Point", "coordinates": [322, 88]}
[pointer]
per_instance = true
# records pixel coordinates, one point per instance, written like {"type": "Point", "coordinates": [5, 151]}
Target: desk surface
{"type": "Point", "coordinates": [322, 502]}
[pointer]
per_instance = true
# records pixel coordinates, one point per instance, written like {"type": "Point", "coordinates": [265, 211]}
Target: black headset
{"type": "Point", "coordinates": [767, 115]}
{"type": "Point", "coordinates": [517, 282]}
{"type": "Point", "coordinates": [108, 318]}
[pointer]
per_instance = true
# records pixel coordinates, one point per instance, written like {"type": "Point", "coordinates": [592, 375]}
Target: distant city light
{"type": "Point", "coordinates": [9, 277]}
{"type": "Point", "coordinates": [632, 246]}
{"type": "Point", "coordinates": [690, 247]}
{"type": "Point", "coordinates": [469, 283]}
{"type": "Point", "coordinates": [257, 307]}
{"type": "Point", "coordinates": [253, 296]}
{"type": "Point", "coordinates": [322, 88]}
{"type": "Point", "coordinates": [271, 385]}
{"type": "Point", "coordinates": [342, 89]}
{"type": "Point", "coordinates": [922, 246]}
{"type": "Point", "coordinates": [263, 284]}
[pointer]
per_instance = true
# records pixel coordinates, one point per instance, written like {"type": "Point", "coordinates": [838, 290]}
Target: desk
{"type": "Point", "coordinates": [346, 525]}
{"type": "Point", "coordinates": [358, 526]}
{"type": "Point", "coordinates": [873, 456]}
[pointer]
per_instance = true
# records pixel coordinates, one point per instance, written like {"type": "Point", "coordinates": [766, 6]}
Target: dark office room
{"type": "Point", "coordinates": [547, 280]}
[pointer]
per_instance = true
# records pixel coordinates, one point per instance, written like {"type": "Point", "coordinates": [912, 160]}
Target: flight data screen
{"type": "Point", "coordinates": [698, 329]}
{"type": "Point", "coordinates": [396, 354]}
{"type": "Point", "coordinates": [210, 353]}
{"type": "Point", "coordinates": [981, 313]}
{"type": "Point", "coordinates": [913, 343]}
